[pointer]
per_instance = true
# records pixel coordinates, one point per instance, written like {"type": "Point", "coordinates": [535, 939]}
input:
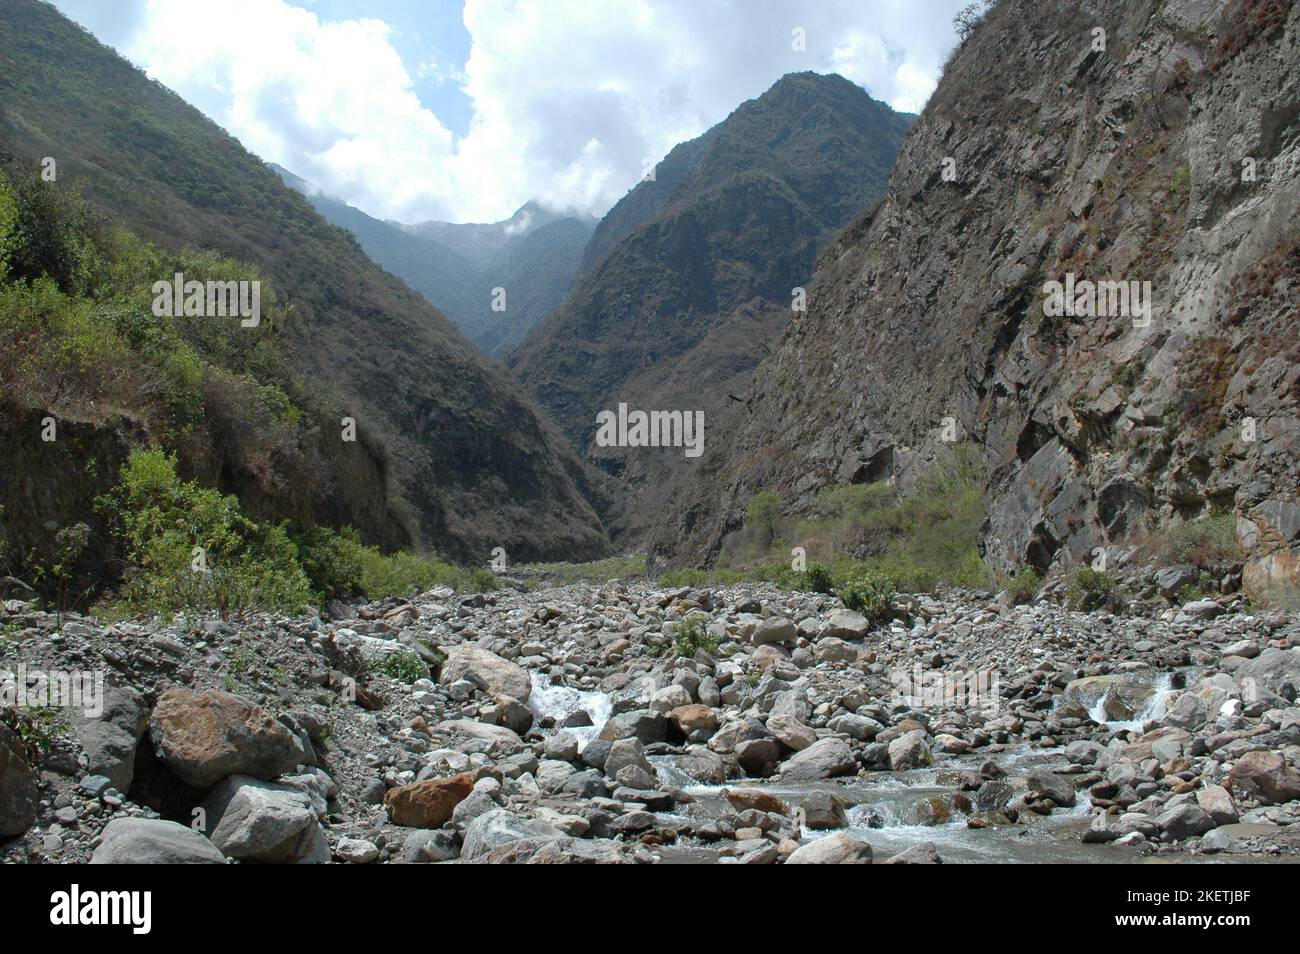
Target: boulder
{"type": "Point", "coordinates": [910, 751]}
{"type": "Point", "coordinates": [500, 676]}
{"type": "Point", "coordinates": [824, 810]}
{"type": "Point", "coordinates": [1265, 777]}
{"type": "Point", "coordinates": [694, 718]}
{"type": "Point", "coordinates": [625, 752]}
{"type": "Point", "coordinates": [832, 649]}
{"type": "Point", "coordinates": [846, 624]}
{"type": "Point", "coordinates": [256, 820]}
{"type": "Point", "coordinates": [499, 828]}
{"type": "Point", "coordinates": [1045, 784]}
{"type": "Point", "coordinates": [745, 799]}
{"type": "Point", "coordinates": [837, 849]}
{"type": "Point", "coordinates": [429, 847]}
{"type": "Point", "coordinates": [826, 758]}
{"type": "Point", "coordinates": [1216, 802]}
{"type": "Point", "coordinates": [204, 737]}
{"type": "Point", "coordinates": [1121, 696]}
{"type": "Point", "coordinates": [427, 804]}
{"type": "Point", "coordinates": [1170, 579]}
{"type": "Point", "coordinates": [922, 853]}
{"type": "Point", "coordinates": [791, 731]}
{"type": "Point", "coordinates": [644, 725]}
{"type": "Point", "coordinates": [18, 795]}
{"type": "Point", "coordinates": [110, 739]}
{"type": "Point", "coordinates": [357, 851]}
{"type": "Point", "coordinates": [774, 629]}
{"type": "Point", "coordinates": [562, 746]}
{"type": "Point", "coordinates": [860, 727]}
{"type": "Point", "coordinates": [1184, 821]}
{"type": "Point", "coordinates": [150, 841]}
{"type": "Point", "coordinates": [758, 756]}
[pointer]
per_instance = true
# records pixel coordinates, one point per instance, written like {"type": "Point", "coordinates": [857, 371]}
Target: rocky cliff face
{"type": "Point", "coordinates": [692, 273]}
{"type": "Point", "coordinates": [1164, 150]}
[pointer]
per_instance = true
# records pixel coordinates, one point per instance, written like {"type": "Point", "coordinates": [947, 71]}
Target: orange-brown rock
{"type": "Point", "coordinates": [427, 804]}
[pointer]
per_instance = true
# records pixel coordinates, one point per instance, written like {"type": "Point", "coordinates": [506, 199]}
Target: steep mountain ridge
{"type": "Point", "coordinates": [692, 273]}
{"type": "Point", "coordinates": [928, 317]}
{"type": "Point", "coordinates": [464, 459]}
{"type": "Point", "coordinates": [533, 256]}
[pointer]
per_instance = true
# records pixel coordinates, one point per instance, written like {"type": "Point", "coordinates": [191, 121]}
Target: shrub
{"type": "Point", "coordinates": [818, 579]}
{"type": "Point", "coordinates": [193, 550]}
{"type": "Point", "coordinates": [869, 593]}
{"type": "Point", "coordinates": [1023, 586]}
{"type": "Point", "coordinates": [1207, 541]}
{"type": "Point", "coordinates": [404, 666]}
{"type": "Point", "coordinates": [1088, 589]}
{"type": "Point", "coordinates": [691, 634]}
{"type": "Point", "coordinates": [763, 517]}
{"type": "Point", "coordinates": [333, 560]}
{"type": "Point", "coordinates": [403, 574]}
{"type": "Point", "coordinates": [687, 576]}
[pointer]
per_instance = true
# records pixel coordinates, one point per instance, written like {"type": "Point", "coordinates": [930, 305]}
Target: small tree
{"type": "Point", "coordinates": [763, 516]}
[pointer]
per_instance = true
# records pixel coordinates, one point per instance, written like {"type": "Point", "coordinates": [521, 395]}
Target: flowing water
{"type": "Point", "coordinates": [885, 808]}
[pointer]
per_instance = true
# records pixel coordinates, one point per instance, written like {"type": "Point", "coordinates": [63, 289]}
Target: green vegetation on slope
{"type": "Point", "coordinates": [450, 453]}
{"type": "Point", "coordinates": [864, 540]}
{"type": "Point", "coordinates": [83, 347]}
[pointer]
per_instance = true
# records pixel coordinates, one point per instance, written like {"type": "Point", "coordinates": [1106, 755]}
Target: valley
{"type": "Point", "coordinates": [791, 478]}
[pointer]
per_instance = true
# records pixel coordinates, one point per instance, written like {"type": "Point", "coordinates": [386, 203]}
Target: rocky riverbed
{"type": "Point", "coordinates": [562, 724]}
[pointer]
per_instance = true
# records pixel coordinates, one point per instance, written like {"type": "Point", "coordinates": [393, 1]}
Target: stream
{"type": "Point", "coordinates": [883, 806]}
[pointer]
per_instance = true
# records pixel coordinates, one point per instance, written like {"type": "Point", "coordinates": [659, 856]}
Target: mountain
{"type": "Point", "coordinates": [689, 275]}
{"type": "Point", "coordinates": [1161, 159]}
{"type": "Point", "coordinates": [533, 256]}
{"type": "Point", "coordinates": [458, 451]}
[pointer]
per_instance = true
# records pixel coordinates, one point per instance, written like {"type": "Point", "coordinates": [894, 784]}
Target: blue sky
{"type": "Point", "coordinates": [463, 110]}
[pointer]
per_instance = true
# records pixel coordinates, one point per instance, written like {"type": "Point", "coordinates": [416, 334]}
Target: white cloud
{"type": "Point", "coordinates": [569, 100]}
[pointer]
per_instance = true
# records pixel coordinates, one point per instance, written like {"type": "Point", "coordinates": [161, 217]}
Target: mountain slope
{"type": "Point", "coordinates": [690, 274]}
{"type": "Point", "coordinates": [469, 463]}
{"type": "Point", "coordinates": [1117, 165]}
{"type": "Point", "coordinates": [533, 255]}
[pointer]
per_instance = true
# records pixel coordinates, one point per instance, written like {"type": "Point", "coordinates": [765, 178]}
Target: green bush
{"type": "Point", "coordinates": [1024, 585]}
{"type": "Point", "coordinates": [687, 576]}
{"type": "Point", "coordinates": [1207, 541]}
{"type": "Point", "coordinates": [1089, 589]}
{"type": "Point", "coordinates": [333, 560]}
{"type": "Point", "coordinates": [403, 574]}
{"type": "Point", "coordinates": [691, 634]}
{"type": "Point", "coordinates": [193, 550]}
{"type": "Point", "coordinates": [763, 517]}
{"type": "Point", "coordinates": [870, 594]}
{"type": "Point", "coordinates": [404, 666]}
{"type": "Point", "coordinates": [818, 579]}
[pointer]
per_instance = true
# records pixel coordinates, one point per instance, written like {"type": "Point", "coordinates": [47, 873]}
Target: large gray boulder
{"type": "Point", "coordinates": [497, 828]}
{"type": "Point", "coordinates": [254, 820]}
{"type": "Point", "coordinates": [837, 849]}
{"type": "Point", "coordinates": [910, 751]}
{"type": "Point", "coordinates": [110, 739]}
{"type": "Point", "coordinates": [500, 676]}
{"type": "Point", "coordinates": [17, 786]}
{"type": "Point", "coordinates": [825, 758]}
{"type": "Point", "coordinates": [149, 841]}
